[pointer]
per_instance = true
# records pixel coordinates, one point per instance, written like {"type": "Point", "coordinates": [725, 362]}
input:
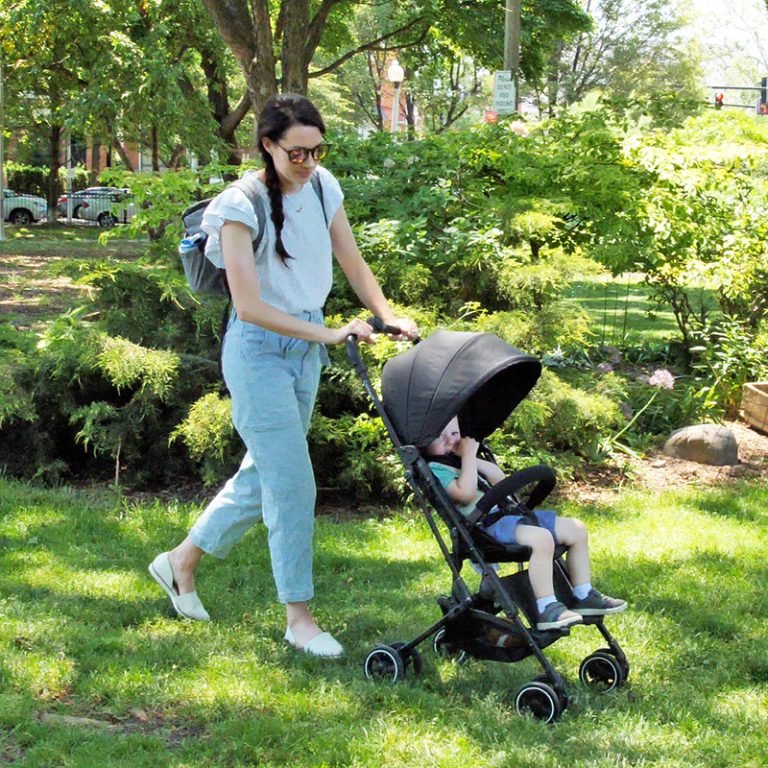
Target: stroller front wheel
{"type": "Point", "coordinates": [540, 700]}
{"type": "Point", "coordinates": [384, 664]}
{"type": "Point", "coordinates": [602, 670]}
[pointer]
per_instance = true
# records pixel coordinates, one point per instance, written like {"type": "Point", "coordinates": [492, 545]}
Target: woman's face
{"type": "Point", "coordinates": [294, 176]}
{"type": "Point", "coordinates": [449, 438]}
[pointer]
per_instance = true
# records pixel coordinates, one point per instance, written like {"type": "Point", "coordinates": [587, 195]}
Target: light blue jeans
{"type": "Point", "coordinates": [273, 382]}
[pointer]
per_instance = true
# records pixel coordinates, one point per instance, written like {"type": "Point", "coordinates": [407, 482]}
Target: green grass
{"type": "Point", "coordinates": [622, 313]}
{"type": "Point", "coordinates": [62, 241]}
{"type": "Point", "coordinates": [85, 633]}
{"type": "Point", "coordinates": [33, 287]}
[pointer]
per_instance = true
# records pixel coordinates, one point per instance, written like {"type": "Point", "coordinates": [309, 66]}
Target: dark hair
{"type": "Point", "coordinates": [280, 113]}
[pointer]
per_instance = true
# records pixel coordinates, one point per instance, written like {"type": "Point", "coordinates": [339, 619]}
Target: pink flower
{"type": "Point", "coordinates": [603, 368]}
{"type": "Point", "coordinates": [662, 378]}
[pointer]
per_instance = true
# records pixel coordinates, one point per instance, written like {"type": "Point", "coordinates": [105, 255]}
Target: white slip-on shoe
{"type": "Point", "coordinates": [187, 606]}
{"type": "Point", "coordinates": [324, 644]}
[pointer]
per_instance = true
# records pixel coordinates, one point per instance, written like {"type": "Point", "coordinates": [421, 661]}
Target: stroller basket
{"type": "Point", "coordinates": [482, 379]}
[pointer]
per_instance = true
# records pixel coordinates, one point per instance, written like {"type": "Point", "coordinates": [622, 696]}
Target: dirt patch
{"type": "Point", "coordinates": [657, 471]}
{"type": "Point", "coordinates": [31, 290]}
{"type": "Point", "coordinates": [173, 732]}
{"type": "Point", "coordinates": [30, 293]}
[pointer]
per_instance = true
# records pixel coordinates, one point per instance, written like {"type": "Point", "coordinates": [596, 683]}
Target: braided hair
{"type": "Point", "coordinates": [280, 113]}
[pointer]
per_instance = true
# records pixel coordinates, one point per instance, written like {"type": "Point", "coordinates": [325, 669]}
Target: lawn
{"type": "Point", "coordinates": [33, 288]}
{"type": "Point", "coordinates": [95, 672]}
{"type": "Point", "coordinates": [622, 312]}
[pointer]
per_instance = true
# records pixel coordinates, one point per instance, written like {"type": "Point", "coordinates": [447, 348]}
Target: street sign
{"type": "Point", "coordinates": [504, 96]}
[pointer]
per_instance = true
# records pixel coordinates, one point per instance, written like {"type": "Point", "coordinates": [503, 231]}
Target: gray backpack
{"type": "Point", "coordinates": [201, 273]}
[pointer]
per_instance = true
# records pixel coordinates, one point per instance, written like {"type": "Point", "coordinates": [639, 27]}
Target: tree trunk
{"type": "Point", "coordinates": [93, 175]}
{"type": "Point", "coordinates": [248, 34]}
{"type": "Point", "coordinates": [410, 115]}
{"type": "Point", "coordinates": [295, 14]}
{"type": "Point", "coordinates": [54, 153]}
{"type": "Point", "coordinates": [227, 119]}
{"type": "Point", "coordinates": [553, 79]}
{"type": "Point", "coordinates": [118, 145]}
{"type": "Point", "coordinates": [155, 150]}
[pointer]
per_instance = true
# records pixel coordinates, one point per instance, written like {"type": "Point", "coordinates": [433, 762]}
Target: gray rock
{"type": "Point", "coordinates": [705, 444]}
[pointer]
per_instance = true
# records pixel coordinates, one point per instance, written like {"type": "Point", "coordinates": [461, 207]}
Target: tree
{"type": "Point", "coordinates": [264, 41]}
{"type": "Point", "coordinates": [633, 49]}
{"type": "Point", "coordinates": [47, 50]}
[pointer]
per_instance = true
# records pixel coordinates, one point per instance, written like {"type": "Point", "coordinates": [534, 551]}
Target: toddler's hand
{"type": "Point", "coordinates": [467, 447]}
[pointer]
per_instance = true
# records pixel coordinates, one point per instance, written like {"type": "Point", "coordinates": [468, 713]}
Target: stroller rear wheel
{"type": "Point", "coordinates": [445, 649]}
{"type": "Point", "coordinates": [602, 670]}
{"type": "Point", "coordinates": [540, 700]}
{"type": "Point", "coordinates": [411, 659]}
{"type": "Point", "coordinates": [385, 664]}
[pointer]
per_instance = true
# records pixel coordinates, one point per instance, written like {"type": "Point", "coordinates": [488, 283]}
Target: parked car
{"type": "Point", "coordinates": [22, 209]}
{"type": "Point", "coordinates": [104, 205]}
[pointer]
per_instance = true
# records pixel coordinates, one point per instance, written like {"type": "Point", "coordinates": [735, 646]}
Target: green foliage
{"type": "Point", "coordinates": [565, 417]}
{"type": "Point", "coordinates": [733, 354]}
{"type": "Point", "coordinates": [127, 364]}
{"type": "Point", "coordinates": [484, 230]}
{"type": "Point", "coordinates": [209, 436]}
{"type": "Point", "coordinates": [33, 180]}
{"type": "Point", "coordinates": [354, 456]}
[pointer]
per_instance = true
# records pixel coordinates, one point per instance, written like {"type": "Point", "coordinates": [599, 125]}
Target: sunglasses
{"type": "Point", "coordinates": [299, 155]}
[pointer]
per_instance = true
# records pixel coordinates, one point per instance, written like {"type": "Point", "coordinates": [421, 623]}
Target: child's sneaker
{"type": "Point", "coordinates": [556, 616]}
{"type": "Point", "coordinates": [598, 604]}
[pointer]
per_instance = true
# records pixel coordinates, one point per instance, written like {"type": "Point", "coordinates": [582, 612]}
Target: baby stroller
{"type": "Point", "coordinates": [482, 379]}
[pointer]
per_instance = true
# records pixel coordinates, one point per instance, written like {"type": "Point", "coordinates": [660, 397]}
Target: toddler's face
{"type": "Point", "coordinates": [449, 438]}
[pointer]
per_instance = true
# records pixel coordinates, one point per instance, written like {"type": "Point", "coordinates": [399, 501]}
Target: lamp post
{"type": "Point", "coordinates": [395, 74]}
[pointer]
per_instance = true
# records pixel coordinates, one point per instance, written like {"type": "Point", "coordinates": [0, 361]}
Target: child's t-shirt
{"type": "Point", "coordinates": [446, 475]}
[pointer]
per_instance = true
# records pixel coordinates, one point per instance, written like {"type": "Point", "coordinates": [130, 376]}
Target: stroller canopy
{"type": "Point", "coordinates": [476, 376]}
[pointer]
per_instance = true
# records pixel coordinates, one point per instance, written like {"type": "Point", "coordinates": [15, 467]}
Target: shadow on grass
{"type": "Point", "coordinates": [690, 625]}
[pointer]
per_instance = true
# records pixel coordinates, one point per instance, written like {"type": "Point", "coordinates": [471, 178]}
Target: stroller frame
{"type": "Point", "coordinates": [546, 696]}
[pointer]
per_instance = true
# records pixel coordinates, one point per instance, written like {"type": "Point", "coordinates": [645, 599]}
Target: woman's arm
{"type": "Point", "coordinates": [359, 274]}
{"type": "Point", "coordinates": [243, 279]}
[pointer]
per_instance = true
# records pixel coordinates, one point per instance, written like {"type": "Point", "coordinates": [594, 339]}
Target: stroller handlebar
{"type": "Point", "coordinates": [379, 326]}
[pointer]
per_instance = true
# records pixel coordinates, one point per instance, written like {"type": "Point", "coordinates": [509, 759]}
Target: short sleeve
{"type": "Point", "coordinates": [445, 474]}
{"type": "Point", "coordinates": [229, 205]}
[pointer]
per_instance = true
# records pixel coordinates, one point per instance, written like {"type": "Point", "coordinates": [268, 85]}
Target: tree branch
{"type": "Point", "coordinates": [374, 44]}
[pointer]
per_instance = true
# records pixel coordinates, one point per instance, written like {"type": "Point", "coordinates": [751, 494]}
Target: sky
{"type": "Point", "coordinates": [733, 35]}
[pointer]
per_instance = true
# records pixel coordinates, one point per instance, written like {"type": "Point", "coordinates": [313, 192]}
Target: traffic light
{"type": "Point", "coordinates": [719, 100]}
{"type": "Point", "coordinates": [762, 107]}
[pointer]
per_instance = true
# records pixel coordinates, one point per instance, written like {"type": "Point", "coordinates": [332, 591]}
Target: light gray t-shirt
{"type": "Point", "coordinates": [303, 283]}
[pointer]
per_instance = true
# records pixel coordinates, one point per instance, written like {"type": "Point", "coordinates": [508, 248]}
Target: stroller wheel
{"type": "Point", "coordinates": [411, 659]}
{"type": "Point", "coordinates": [601, 670]}
{"type": "Point", "coordinates": [384, 663]}
{"type": "Point", "coordinates": [623, 663]}
{"type": "Point", "coordinates": [445, 650]}
{"type": "Point", "coordinates": [562, 696]}
{"type": "Point", "coordinates": [540, 700]}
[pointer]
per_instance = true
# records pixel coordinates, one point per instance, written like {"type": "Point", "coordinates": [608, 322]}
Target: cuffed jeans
{"type": "Point", "coordinates": [273, 382]}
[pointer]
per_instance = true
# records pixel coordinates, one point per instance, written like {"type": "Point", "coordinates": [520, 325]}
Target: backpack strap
{"type": "Point", "coordinates": [318, 187]}
{"type": "Point", "coordinates": [251, 191]}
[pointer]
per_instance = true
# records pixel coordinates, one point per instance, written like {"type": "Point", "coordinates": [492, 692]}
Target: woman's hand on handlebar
{"type": "Point", "coordinates": [355, 327]}
{"type": "Point", "coordinates": [408, 329]}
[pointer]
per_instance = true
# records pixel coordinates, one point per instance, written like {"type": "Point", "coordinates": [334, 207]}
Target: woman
{"type": "Point", "coordinates": [273, 352]}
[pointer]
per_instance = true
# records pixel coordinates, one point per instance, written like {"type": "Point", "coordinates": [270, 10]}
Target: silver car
{"type": "Point", "coordinates": [105, 205]}
{"type": "Point", "coordinates": [23, 209]}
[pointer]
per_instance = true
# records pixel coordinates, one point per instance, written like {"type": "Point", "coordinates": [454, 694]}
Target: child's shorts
{"type": "Point", "coordinates": [504, 530]}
